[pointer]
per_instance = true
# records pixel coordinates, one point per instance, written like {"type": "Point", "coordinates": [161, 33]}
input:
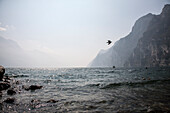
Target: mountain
{"type": "Point", "coordinates": [118, 54]}
{"type": "Point", "coordinates": [153, 49]}
{"type": "Point", "coordinates": [11, 54]}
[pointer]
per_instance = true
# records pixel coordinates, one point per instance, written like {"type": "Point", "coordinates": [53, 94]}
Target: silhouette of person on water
{"type": "Point", "coordinates": [109, 42]}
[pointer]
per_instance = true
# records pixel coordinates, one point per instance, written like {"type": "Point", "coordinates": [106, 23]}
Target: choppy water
{"type": "Point", "coordinates": [92, 90]}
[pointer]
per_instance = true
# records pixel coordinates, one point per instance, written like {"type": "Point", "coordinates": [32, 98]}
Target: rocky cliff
{"type": "Point", "coordinates": [153, 49]}
{"type": "Point", "coordinates": [118, 54]}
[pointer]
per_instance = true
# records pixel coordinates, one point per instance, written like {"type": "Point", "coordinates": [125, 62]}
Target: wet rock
{"type": "Point", "coordinates": [156, 111]}
{"type": "Point", "coordinates": [34, 87]}
{"type": "Point", "coordinates": [25, 87]}
{"type": "Point", "coordinates": [7, 81]}
{"type": "Point", "coordinates": [11, 92]}
{"type": "Point", "coordinates": [91, 107]}
{"type": "Point", "coordinates": [19, 76]}
{"type": "Point", "coordinates": [103, 101]}
{"type": "Point", "coordinates": [149, 110]}
{"type": "Point", "coordinates": [35, 101]}
{"type": "Point", "coordinates": [4, 86]}
{"type": "Point", "coordinates": [40, 105]}
{"type": "Point", "coordinates": [52, 101]}
{"type": "Point", "coordinates": [2, 71]}
{"type": "Point", "coordinates": [17, 82]}
{"type": "Point", "coordinates": [10, 100]}
{"type": "Point", "coordinates": [7, 77]}
{"type": "Point", "coordinates": [0, 94]}
{"type": "Point", "coordinates": [143, 78]}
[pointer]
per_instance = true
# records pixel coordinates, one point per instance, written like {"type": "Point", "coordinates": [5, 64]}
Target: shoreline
{"type": "Point", "coordinates": [49, 94]}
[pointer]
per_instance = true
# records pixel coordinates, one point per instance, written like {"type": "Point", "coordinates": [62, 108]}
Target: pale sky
{"type": "Point", "coordinates": [74, 31]}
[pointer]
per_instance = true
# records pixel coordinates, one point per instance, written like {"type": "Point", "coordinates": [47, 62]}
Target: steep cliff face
{"type": "Point", "coordinates": [118, 54]}
{"type": "Point", "coordinates": [153, 49]}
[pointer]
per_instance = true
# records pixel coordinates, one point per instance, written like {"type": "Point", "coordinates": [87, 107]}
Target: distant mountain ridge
{"type": "Point", "coordinates": [127, 50]}
{"type": "Point", "coordinates": [12, 55]}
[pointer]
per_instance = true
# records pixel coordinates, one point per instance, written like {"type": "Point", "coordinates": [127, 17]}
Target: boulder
{"type": "Point", "coordinates": [10, 100]}
{"type": "Point", "coordinates": [4, 86]}
{"type": "Point", "coordinates": [2, 71]}
{"type": "Point", "coordinates": [52, 101]}
{"type": "Point", "coordinates": [11, 92]}
{"type": "Point", "coordinates": [34, 87]}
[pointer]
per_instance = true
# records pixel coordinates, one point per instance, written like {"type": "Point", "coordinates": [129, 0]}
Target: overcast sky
{"type": "Point", "coordinates": [74, 30]}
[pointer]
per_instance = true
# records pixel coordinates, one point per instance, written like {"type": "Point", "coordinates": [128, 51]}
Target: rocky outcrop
{"type": "Point", "coordinates": [118, 54]}
{"type": "Point", "coordinates": [9, 87]}
{"type": "Point", "coordinates": [4, 86]}
{"type": "Point", "coordinates": [2, 71]}
{"type": "Point", "coordinates": [153, 49]}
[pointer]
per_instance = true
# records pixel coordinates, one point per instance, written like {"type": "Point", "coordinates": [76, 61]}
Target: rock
{"type": "Point", "coordinates": [2, 71]}
{"type": "Point", "coordinates": [0, 94]}
{"type": "Point", "coordinates": [52, 101]}
{"type": "Point", "coordinates": [4, 86]}
{"type": "Point", "coordinates": [35, 101]}
{"type": "Point", "coordinates": [10, 100]}
{"type": "Point", "coordinates": [34, 87]}
{"type": "Point", "coordinates": [143, 78]}
{"type": "Point", "coordinates": [17, 82]}
{"type": "Point", "coordinates": [19, 76]}
{"type": "Point", "coordinates": [7, 77]}
{"type": "Point", "coordinates": [7, 81]}
{"type": "Point", "coordinates": [11, 92]}
{"type": "Point", "coordinates": [25, 87]}
{"type": "Point", "coordinates": [149, 110]}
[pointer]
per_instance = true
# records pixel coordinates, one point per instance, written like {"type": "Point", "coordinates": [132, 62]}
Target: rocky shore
{"type": "Point", "coordinates": [10, 87]}
{"type": "Point", "coordinates": [43, 90]}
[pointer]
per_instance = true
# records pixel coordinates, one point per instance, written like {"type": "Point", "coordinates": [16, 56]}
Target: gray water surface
{"type": "Point", "coordinates": [91, 90]}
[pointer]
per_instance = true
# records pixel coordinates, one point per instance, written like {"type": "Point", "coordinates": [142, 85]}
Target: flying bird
{"type": "Point", "coordinates": [109, 42]}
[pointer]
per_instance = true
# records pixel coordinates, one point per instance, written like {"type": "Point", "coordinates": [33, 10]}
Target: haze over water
{"type": "Point", "coordinates": [65, 33]}
{"type": "Point", "coordinates": [70, 33]}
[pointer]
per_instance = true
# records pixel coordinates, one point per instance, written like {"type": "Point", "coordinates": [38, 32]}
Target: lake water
{"type": "Point", "coordinates": [91, 90]}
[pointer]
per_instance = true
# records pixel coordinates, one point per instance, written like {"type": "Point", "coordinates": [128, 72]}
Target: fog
{"type": "Point", "coordinates": [65, 33]}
